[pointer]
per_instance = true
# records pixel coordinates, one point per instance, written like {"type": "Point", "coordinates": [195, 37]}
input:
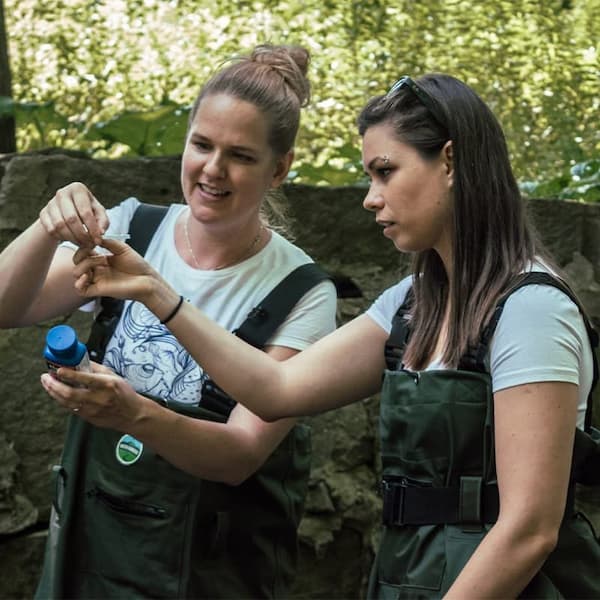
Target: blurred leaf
{"type": "Point", "coordinates": [588, 168]}
{"type": "Point", "coordinates": [44, 115]}
{"type": "Point", "coordinates": [148, 133]}
{"type": "Point", "coordinates": [535, 63]}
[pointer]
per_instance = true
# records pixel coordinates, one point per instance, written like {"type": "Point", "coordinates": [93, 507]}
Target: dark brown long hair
{"type": "Point", "coordinates": [493, 239]}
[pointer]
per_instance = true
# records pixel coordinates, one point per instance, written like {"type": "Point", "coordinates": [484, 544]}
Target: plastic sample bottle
{"type": "Point", "coordinates": [63, 349]}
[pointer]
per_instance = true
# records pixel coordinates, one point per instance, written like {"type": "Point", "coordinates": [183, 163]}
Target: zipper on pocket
{"type": "Point", "coordinates": [127, 506]}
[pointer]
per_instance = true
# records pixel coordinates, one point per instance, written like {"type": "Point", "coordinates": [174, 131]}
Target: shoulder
{"type": "Point", "coordinates": [283, 257]}
{"type": "Point", "coordinates": [384, 308]}
{"type": "Point", "coordinates": [313, 316]}
{"type": "Point", "coordinates": [536, 305]}
{"type": "Point", "coordinates": [283, 249]}
{"type": "Point", "coordinates": [540, 336]}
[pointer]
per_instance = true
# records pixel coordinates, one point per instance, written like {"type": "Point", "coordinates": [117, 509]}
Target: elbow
{"type": "Point", "coordinates": [234, 480]}
{"type": "Point", "coordinates": [6, 324]}
{"type": "Point", "coordinates": [238, 467]}
{"type": "Point", "coordinates": [536, 547]}
{"type": "Point", "coordinates": [11, 319]}
{"type": "Point", "coordinates": [240, 473]}
{"type": "Point", "coordinates": [545, 542]}
{"type": "Point", "coordinates": [269, 413]}
{"type": "Point", "coordinates": [269, 416]}
{"type": "Point", "coordinates": [543, 534]}
{"type": "Point", "coordinates": [533, 539]}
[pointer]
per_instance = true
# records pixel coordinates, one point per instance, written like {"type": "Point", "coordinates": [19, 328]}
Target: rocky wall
{"type": "Point", "coordinates": [340, 526]}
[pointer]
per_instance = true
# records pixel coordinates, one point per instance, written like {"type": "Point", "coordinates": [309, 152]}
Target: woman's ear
{"type": "Point", "coordinates": [282, 168]}
{"type": "Point", "coordinates": [448, 158]}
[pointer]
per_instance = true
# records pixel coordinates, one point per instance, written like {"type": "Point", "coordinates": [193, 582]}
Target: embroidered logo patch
{"type": "Point", "coordinates": [128, 450]}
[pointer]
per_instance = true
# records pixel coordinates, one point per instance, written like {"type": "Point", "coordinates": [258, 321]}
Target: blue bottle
{"type": "Point", "coordinates": [63, 349]}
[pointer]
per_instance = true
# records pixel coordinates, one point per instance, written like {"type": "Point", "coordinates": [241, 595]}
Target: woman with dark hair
{"type": "Point", "coordinates": [485, 355]}
{"type": "Point", "coordinates": [208, 501]}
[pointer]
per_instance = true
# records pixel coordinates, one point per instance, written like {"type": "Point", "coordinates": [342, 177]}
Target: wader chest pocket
{"type": "Point", "coordinates": [131, 526]}
{"type": "Point", "coordinates": [124, 505]}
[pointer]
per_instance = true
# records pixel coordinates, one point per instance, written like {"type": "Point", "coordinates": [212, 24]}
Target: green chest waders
{"type": "Point", "coordinates": [125, 523]}
{"type": "Point", "coordinates": [140, 528]}
{"type": "Point", "coordinates": [440, 495]}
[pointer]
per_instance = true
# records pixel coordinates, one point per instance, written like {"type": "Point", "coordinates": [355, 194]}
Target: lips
{"type": "Point", "coordinates": [213, 191]}
{"type": "Point", "coordinates": [387, 227]}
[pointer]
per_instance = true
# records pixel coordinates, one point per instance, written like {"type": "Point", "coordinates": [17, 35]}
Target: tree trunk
{"type": "Point", "coordinates": [8, 141]}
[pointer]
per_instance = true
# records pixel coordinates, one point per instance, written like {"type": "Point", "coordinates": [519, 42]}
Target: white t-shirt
{"type": "Point", "coordinates": [150, 357]}
{"type": "Point", "coordinates": [541, 336]}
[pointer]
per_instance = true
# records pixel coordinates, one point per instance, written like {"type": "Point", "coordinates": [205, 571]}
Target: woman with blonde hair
{"type": "Point", "coordinates": [204, 500]}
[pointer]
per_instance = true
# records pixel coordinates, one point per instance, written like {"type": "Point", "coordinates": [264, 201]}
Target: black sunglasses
{"type": "Point", "coordinates": [424, 98]}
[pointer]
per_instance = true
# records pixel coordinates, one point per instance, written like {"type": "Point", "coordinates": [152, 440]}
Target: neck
{"type": "Point", "coordinates": [208, 252]}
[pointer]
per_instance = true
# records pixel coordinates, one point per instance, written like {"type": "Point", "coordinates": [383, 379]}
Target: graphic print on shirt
{"type": "Point", "coordinates": [146, 354]}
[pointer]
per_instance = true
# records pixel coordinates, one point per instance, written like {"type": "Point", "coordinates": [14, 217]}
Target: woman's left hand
{"type": "Point", "coordinates": [101, 397]}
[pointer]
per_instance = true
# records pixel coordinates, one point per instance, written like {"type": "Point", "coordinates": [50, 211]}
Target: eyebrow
{"type": "Point", "coordinates": [372, 161]}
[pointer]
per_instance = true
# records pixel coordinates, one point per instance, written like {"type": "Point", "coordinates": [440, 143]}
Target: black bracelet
{"type": "Point", "coordinates": [175, 311]}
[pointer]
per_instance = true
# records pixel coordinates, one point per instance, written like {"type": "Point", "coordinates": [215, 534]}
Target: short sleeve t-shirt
{"type": "Point", "coordinates": [150, 357]}
{"type": "Point", "coordinates": [541, 336]}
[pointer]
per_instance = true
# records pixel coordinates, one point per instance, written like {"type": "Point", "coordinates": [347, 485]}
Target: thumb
{"type": "Point", "coordinates": [114, 246]}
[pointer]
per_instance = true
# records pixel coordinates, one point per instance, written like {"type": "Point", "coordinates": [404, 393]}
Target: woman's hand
{"type": "Point", "coordinates": [100, 397]}
{"type": "Point", "coordinates": [122, 274]}
{"type": "Point", "coordinates": [74, 215]}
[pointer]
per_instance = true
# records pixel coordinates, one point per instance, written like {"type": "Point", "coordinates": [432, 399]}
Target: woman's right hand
{"type": "Point", "coordinates": [121, 274]}
{"type": "Point", "coordinates": [74, 215]}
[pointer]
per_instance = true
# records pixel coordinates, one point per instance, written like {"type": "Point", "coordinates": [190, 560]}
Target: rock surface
{"type": "Point", "coordinates": [340, 527]}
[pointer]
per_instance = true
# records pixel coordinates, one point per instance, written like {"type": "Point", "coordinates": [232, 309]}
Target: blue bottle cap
{"type": "Point", "coordinates": [63, 346]}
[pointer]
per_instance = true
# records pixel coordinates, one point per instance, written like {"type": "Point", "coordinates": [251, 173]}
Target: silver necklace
{"type": "Point", "coordinates": [246, 253]}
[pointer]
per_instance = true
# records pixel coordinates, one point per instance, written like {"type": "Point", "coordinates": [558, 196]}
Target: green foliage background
{"type": "Point", "coordinates": [116, 77]}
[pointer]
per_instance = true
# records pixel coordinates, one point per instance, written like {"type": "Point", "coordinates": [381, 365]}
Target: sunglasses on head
{"type": "Point", "coordinates": [424, 98]}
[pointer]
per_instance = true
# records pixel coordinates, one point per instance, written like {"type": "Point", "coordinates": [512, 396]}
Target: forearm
{"type": "Point", "coordinates": [24, 265]}
{"type": "Point", "coordinates": [204, 449]}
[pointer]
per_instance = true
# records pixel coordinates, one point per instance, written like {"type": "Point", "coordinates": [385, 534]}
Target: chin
{"type": "Point", "coordinates": [406, 247]}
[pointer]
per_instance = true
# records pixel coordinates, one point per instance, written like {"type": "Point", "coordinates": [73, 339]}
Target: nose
{"type": "Point", "coordinates": [214, 165]}
{"type": "Point", "coordinates": [373, 200]}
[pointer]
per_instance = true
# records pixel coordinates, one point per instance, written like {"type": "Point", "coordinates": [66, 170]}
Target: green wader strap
{"type": "Point", "coordinates": [262, 322]}
{"type": "Point", "coordinates": [143, 224]}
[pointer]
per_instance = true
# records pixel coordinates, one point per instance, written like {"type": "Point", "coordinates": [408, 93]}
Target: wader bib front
{"type": "Point", "coordinates": [440, 493]}
{"type": "Point", "coordinates": [127, 524]}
